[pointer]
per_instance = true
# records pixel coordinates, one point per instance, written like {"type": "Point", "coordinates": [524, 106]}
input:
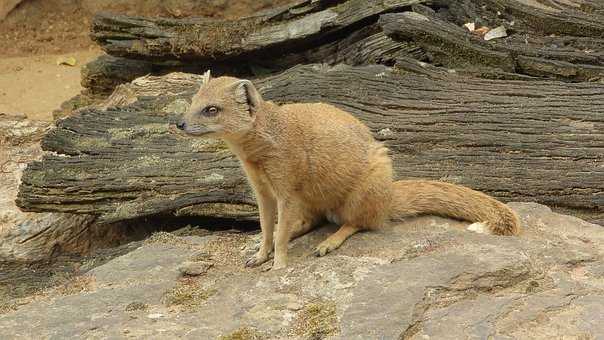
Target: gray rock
{"type": "Point", "coordinates": [424, 278]}
{"type": "Point", "coordinates": [194, 268]}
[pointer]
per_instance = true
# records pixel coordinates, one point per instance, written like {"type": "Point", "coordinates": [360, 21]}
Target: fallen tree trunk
{"type": "Point", "coordinates": [583, 18]}
{"type": "Point", "coordinates": [102, 75]}
{"type": "Point", "coordinates": [305, 32]}
{"type": "Point", "coordinates": [367, 45]}
{"type": "Point", "coordinates": [295, 27]}
{"type": "Point", "coordinates": [530, 141]}
{"type": "Point", "coordinates": [307, 24]}
{"type": "Point", "coordinates": [6, 7]}
{"type": "Point", "coordinates": [456, 47]}
{"type": "Point", "coordinates": [545, 40]}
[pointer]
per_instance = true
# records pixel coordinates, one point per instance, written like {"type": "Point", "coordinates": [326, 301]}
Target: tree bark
{"type": "Point", "coordinates": [457, 48]}
{"type": "Point", "coordinates": [295, 27]}
{"type": "Point", "coordinates": [530, 141]}
{"type": "Point", "coordinates": [102, 75]}
{"type": "Point", "coordinates": [546, 40]}
{"type": "Point", "coordinates": [367, 45]}
{"type": "Point", "coordinates": [6, 7]}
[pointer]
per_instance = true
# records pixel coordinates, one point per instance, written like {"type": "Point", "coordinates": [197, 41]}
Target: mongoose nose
{"type": "Point", "coordinates": [181, 125]}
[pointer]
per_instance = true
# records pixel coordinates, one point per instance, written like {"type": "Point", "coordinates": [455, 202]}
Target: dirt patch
{"type": "Point", "coordinates": [44, 27]}
{"type": "Point", "coordinates": [36, 85]}
{"type": "Point", "coordinates": [37, 33]}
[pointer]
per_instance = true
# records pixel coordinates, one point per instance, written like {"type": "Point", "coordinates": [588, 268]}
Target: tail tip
{"type": "Point", "coordinates": [511, 228]}
{"type": "Point", "coordinates": [480, 228]}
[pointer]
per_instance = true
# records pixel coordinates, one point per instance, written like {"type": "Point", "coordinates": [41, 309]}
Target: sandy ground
{"type": "Point", "coordinates": [37, 32]}
{"type": "Point", "coordinates": [36, 85]}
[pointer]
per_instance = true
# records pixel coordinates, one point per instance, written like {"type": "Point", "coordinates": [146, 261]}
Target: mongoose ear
{"type": "Point", "coordinates": [206, 77]}
{"type": "Point", "coordinates": [246, 93]}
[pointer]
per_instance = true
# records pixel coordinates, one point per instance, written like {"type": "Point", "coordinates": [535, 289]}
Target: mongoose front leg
{"type": "Point", "coordinates": [289, 219]}
{"type": "Point", "coordinates": [335, 240]}
{"type": "Point", "coordinates": [267, 205]}
{"type": "Point", "coordinates": [302, 229]}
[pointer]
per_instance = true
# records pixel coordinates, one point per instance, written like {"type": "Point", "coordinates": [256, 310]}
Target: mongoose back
{"type": "Point", "coordinates": [308, 162]}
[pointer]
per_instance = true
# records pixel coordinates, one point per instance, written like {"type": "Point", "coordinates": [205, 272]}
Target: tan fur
{"type": "Point", "coordinates": [307, 162]}
{"type": "Point", "coordinates": [445, 199]}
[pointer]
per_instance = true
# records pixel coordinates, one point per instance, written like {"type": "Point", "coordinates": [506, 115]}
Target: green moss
{"type": "Point", "coordinates": [76, 285]}
{"type": "Point", "coordinates": [244, 333]}
{"type": "Point", "coordinates": [143, 130]}
{"type": "Point", "coordinates": [316, 320]}
{"type": "Point", "coordinates": [179, 106]}
{"type": "Point", "coordinates": [136, 305]}
{"type": "Point", "coordinates": [208, 145]}
{"type": "Point", "coordinates": [216, 38]}
{"type": "Point", "coordinates": [7, 307]}
{"type": "Point", "coordinates": [75, 103]}
{"type": "Point", "coordinates": [225, 210]}
{"type": "Point", "coordinates": [87, 143]}
{"type": "Point", "coordinates": [163, 237]}
{"type": "Point", "coordinates": [187, 293]}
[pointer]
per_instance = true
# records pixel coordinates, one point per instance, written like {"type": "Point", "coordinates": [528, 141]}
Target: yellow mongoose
{"type": "Point", "coordinates": [306, 162]}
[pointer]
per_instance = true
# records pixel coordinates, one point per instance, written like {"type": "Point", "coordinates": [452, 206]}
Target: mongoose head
{"type": "Point", "coordinates": [224, 107]}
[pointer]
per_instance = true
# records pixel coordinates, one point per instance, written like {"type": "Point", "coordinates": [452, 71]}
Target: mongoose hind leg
{"type": "Point", "coordinates": [306, 225]}
{"type": "Point", "coordinates": [368, 205]}
{"type": "Point", "coordinates": [336, 239]}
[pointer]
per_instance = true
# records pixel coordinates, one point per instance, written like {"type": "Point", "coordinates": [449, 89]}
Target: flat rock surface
{"type": "Point", "coordinates": [423, 278]}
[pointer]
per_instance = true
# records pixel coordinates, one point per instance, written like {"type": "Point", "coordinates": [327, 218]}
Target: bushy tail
{"type": "Point", "coordinates": [417, 197]}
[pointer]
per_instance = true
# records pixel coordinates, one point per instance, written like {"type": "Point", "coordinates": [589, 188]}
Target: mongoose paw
{"type": "Point", "coordinates": [278, 265]}
{"type": "Point", "coordinates": [323, 248]}
{"type": "Point", "coordinates": [256, 260]}
{"type": "Point", "coordinates": [256, 247]}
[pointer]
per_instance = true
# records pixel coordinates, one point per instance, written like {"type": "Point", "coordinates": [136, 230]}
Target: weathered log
{"type": "Point", "coordinates": [583, 18]}
{"type": "Point", "coordinates": [6, 7]}
{"type": "Point", "coordinates": [455, 47]}
{"type": "Point", "coordinates": [367, 45]}
{"type": "Point", "coordinates": [203, 39]}
{"type": "Point", "coordinates": [306, 23]}
{"type": "Point", "coordinates": [102, 75]}
{"type": "Point", "coordinates": [552, 17]}
{"type": "Point", "coordinates": [546, 40]}
{"type": "Point", "coordinates": [530, 141]}
{"type": "Point", "coordinates": [304, 32]}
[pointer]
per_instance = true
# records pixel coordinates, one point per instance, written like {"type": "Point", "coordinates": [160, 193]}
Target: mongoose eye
{"type": "Point", "coordinates": [210, 111]}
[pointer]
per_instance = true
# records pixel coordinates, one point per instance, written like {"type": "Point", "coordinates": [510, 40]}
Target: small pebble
{"type": "Point", "coordinates": [294, 306]}
{"type": "Point", "coordinates": [385, 132]}
{"type": "Point", "coordinates": [495, 33]}
{"type": "Point", "coordinates": [196, 268]}
{"type": "Point", "coordinates": [201, 255]}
